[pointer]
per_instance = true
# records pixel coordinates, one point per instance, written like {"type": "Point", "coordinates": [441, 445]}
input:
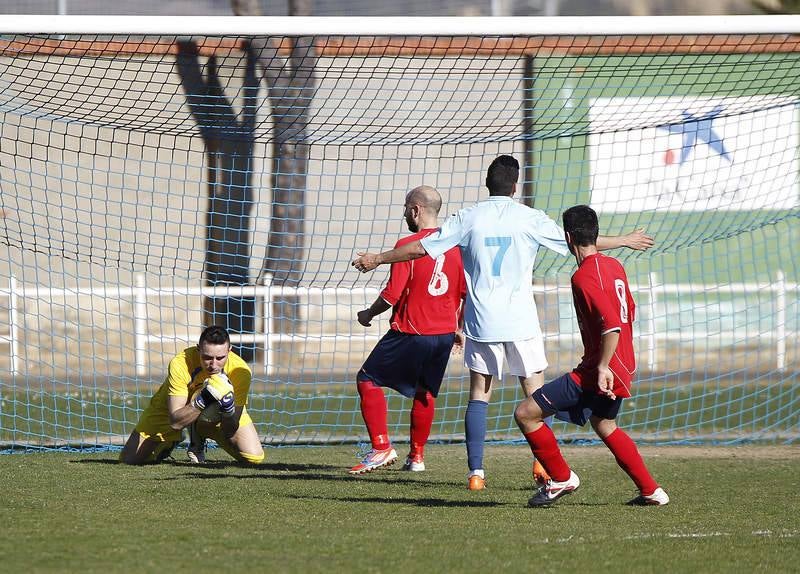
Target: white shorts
{"type": "Point", "coordinates": [523, 358]}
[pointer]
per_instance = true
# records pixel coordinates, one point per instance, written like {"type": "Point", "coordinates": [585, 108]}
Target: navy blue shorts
{"type": "Point", "coordinates": [567, 400]}
{"type": "Point", "coordinates": [402, 362]}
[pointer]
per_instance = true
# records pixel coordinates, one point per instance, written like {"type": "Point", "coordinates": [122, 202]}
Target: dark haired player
{"type": "Point", "coordinates": [225, 379]}
{"type": "Point", "coordinates": [595, 388]}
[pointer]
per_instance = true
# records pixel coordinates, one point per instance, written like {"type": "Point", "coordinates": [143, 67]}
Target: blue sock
{"type": "Point", "coordinates": [475, 430]}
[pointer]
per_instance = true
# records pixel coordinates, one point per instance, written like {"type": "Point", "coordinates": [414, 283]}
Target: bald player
{"type": "Point", "coordinates": [426, 296]}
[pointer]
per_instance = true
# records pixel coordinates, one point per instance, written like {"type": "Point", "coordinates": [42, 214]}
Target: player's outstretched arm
{"type": "Point", "coordinates": [369, 261]}
{"type": "Point", "coordinates": [378, 306]}
{"type": "Point", "coordinates": [637, 240]}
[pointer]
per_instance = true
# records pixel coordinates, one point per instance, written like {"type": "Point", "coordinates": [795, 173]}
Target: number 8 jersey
{"type": "Point", "coordinates": [603, 303]}
{"type": "Point", "coordinates": [425, 293]}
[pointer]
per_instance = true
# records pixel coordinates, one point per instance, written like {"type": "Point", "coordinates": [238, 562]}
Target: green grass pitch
{"type": "Point", "coordinates": [732, 510]}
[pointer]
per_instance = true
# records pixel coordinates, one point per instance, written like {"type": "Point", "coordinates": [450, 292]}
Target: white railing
{"type": "Point", "coordinates": [779, 289]}
{"type": "Point", "coordinates": [267, 337]}
{"type": "Point", "coordinates": [141, 293]}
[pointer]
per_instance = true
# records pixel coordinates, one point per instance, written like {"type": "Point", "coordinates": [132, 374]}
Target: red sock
{"type": "Point", "coordinates": [628, 458]}
{"type": "Point", "coordinates": [373, 409]}
{"type": "Point", "coordinates": [545, 448]}
{"type": "Point", "coordinates": [421, 421]}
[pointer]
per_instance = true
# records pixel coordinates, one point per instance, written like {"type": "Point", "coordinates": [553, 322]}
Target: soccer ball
{"type": "Point", "coordinates": [212, 413]}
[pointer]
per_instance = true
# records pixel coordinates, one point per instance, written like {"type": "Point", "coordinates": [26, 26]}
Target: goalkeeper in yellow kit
{"type": "Point", "coordinates": [208, 378]}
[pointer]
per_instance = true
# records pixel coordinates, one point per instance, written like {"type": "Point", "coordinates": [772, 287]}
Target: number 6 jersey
{"type": "Point", "coordinates": [426, 293]}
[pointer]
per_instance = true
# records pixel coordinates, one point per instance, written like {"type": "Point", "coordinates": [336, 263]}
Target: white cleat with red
{"type": "Point", "coordinates": [414, 463]}
{"type": "Point", "coordinates": [554, 490]}
{"type": "Point", "coordinates": [374, 460]}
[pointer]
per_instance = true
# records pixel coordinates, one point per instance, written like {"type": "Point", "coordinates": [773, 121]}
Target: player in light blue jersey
{"type": "Point", "coordinates": [499, 239]}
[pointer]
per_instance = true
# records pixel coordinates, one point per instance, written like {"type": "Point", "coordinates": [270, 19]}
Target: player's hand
{"type": "Point", "coordinates": [219, 385]}
{"type": "Point", "coordinates": [217, 388]}
{"type": "Point", "coordinates": [226, 405]}
{"type": "Point", "coordinates": [639, 240]}
{"type": "Point", "coordinates": [202, 399]}
{"type": "Point", "coordinates": [221, 388]}
{"type": "Point", "coordinates": [365, 317]}
{"type": "Point", "coordinates": [458, 343]}
{"type": "Point", "coordinates": [365, 261]}
{"type": "Point", "coordinates": [605, 382]}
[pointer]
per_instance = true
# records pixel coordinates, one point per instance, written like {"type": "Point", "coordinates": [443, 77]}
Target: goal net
{"type": "Point", "coordinates": [160, 175]}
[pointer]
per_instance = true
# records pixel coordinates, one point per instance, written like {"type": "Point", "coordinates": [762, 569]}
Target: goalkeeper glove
{"type": "Point", "coordinates": [221, 384]}
{"type": "Point", "coordinates": [202, 399]}
{"type": "Point", "coordinates": [226, 406]}
{"type": "Point", "coordinates": [217, 388]}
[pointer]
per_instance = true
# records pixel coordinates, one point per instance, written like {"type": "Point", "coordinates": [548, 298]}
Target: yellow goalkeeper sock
{"type": "Point", "coordinates": [251, 458]}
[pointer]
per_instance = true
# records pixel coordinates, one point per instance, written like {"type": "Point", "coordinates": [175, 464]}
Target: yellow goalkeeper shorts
{"type": "Point", "coordinates": [154, 425]}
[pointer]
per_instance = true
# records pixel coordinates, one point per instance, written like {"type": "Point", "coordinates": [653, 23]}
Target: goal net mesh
{"type": "Point", "coordinates": [153, 185]}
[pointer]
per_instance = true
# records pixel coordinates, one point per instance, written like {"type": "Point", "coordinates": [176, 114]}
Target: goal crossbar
{"type": "Point", "coordinates": [398, 26]}
{"type": "Point", "coordinates": [340, 46]}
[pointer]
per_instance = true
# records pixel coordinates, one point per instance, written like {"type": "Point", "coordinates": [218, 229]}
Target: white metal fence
{"type": "Point", "coordinates": [647, 294]}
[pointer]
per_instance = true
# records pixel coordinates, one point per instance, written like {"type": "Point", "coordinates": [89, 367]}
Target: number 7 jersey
{"type": "Point", "coordinates": [426, 294]}
{"type": "Point", "coordinates": [499, 239]}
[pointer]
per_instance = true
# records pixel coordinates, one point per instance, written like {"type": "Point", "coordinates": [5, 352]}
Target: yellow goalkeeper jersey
{"type": "Point", "coordinates": [186, 375]}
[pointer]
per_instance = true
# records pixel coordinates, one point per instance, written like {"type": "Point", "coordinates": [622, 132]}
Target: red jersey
{"type": "Point", "coordinates": [425, 293]}
{"type": "Point", "coordinates": [603, 303]}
